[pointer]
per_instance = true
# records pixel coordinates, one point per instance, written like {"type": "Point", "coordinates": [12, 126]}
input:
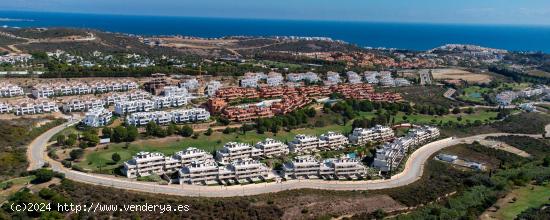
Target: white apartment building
{"type": "Point", "coordinates": [190, 115]}
{"type": "Point", "coordinates": [311, 77]}
{"type": "Point", "coordinates": [378, 133]}
{"type": "Point", "coordinates": [333, 78]}
{"type": "Point", "coordinates": [125, 107]}
{"type": "Point", "coordinates": [233, 151]}
{"type": "Point", "coordinates": [247, 169]}
{"type": "Point", "coordinates": [334, 140]}
{"type": "Point", "coordinates": [236, 171]}
{"type": "Point", "coordinates": [79, 105]}
{"type": "Point", "coordinates": [401, 82]}
{"type": "Point", "coordinates": [42, 91]}
{"type": "Point", "coordinates": [271, 148]}
{"type": "Point", "coordinates": [387, 80]}
{"type": "Point", "coordinates": [342, 168]}
{"type": "Point", "coordinates": [391, 154]}
{"type": "Point", "coordinates": [199, 173]}
{"type": "Point", "coordinates": [161, 102]}
{"type": "Point", "coordinates": [113, 98]}
{"type": "Point", "coordinates": [212, 87]}
{"type": "Point", "coordinates": [302, 166]}
{"type": "Point", "coordinates": [30, 107]}
{"type": "Point", "coordinates": [143, 118]}
{"type": "Point", "coordinates": [175, 91]}
{"type": "Point", "coordinates": [294, 77]}
{"type": "Point", "coordinates": [10, 90]}
{"type": "Point", "coordinates": [97, 117]}
{"type": "Point", "coordinates": [145, 164]}
{"type": "Point", "coordinates": [249, 82]}
{"type": "Point", "coordinates": [191, 154]}
{"type": "Point", "coordinates": [190, 84]}
{"type": "Point", "coordinates": [371, 77]}
{"type": "Point", "coordinates": [162, 117]}
{"type": "Point", "coordinates": [306, 144]}
{"type": "Point", "coordinates": [353, 77]}
{"type": "Point", "coordinates": [274, 79]}
{"type": "Point", "coordinates": [5, 108]}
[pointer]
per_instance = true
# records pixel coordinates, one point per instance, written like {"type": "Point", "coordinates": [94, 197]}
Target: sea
{"type": "Point", "coordinates": [411, 36]}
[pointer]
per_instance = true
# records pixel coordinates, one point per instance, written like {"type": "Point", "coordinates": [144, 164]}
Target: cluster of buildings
{"type": "Point", "coordinates": [97, 117]}
{"type": "Point", "coordinates": [334, 168]}
{"type": "Point", "coordinates": [29, 107]}
{"type": "Point", "coordinates": [80, 88]}
{"type": "Point", "coordinates": [507, 97]}
{"type": "Point", "coordinates": [238, 162]}
{"type": "Point", "coordinates": [13, 58]}
{"type": "Point", "coordinates": [164, 117]}
{"type": "Point", "coordinates": [392, 153]}
{"type": "Point", "coordinates": [10, 90]}
{"type": "Point", "coordinates": [384, 78]}
{"type": "Point", "coordinates": [250, 112]}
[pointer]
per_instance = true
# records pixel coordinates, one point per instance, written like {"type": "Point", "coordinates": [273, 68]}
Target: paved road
{"type": "Point", "coordinates": [37, 149]}
{"type": "Point", "coordinates": [412, 172]}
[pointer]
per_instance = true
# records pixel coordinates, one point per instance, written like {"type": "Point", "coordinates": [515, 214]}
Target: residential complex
{"type": "Point", "coordinates": [271, 148]}
{"type": "Point", "coordinates": [97, 117]}
{"type": "Point", "coordinates": [334, 140]}
{"type": "Point", "coordinates": [391, 154]}
{"type": "Point", "coordinates": [10, 90]}
{"type": "Point", "coordinates": [306, 144]}
{"type": "Point", "coordinates": [378, 133]}
{"type": "Point", "coordinates": [80, 88]}
{"type": "Point", "coordinates": [126, 107]}
{"type": "Point", "coordinates": [82, 104]}
{"type": "Point", "coordinates": [233, 151]}
{"type": "Point", "coordinates": [236, 171]}
{"type": "Point", "coordinates": [162, 117]}
{"type": "Point", "coordinates": [31, 107]}
{"type": "Point", "coordinates": [335, 168]}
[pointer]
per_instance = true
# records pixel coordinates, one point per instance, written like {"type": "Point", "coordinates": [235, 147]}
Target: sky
{"type": "Point", "coordinates": [534, 12]}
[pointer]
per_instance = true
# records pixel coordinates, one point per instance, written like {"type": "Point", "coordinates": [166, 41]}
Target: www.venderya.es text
{"type": "Point", "coordinates": [97, 207]}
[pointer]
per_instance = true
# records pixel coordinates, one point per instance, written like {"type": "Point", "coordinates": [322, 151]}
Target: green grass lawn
{"type": "Point", "coordinates": [525, 198]}
{"type": "Point", "coordinates": [102, 157]}
{"type": "Point", "coordinates": [481, 115]}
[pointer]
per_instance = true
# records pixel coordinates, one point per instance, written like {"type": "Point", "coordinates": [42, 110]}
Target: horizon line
{"type": "Point", "coordinates": [284, 19]}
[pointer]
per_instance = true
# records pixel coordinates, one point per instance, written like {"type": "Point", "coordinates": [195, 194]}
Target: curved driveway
{"type": "Point", "coordinates": [412, 172]}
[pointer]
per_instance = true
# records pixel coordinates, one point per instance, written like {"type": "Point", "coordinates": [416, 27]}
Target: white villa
{"type": "Point", "coordinates": [97, 117]}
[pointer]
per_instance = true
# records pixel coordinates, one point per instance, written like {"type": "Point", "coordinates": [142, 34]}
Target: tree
{"type": "Point", "coordinates": [546, 162]}
{"type": "Point", "coordinates": [60, 140]}
{"type": "Point", "coordinates": [456, 110]}
{"type": "Point", "coordinates": [470, 110]}
{"type": "Point", "coordinates": [120, 134]}
{"type": "Point", "coordinates": [107, 132]}
{"type": "Point", "coordinates": [171, 129]}
{"type": "Point", "coordinates": [76, 154]}
{"type": "Point", "coordinates": [186, 131]}
{"type": "Point", "coordinates": [43, 175]}
{"type": "Point", "coordinates": [209, 132]}
{"type": "Point", "coordinates": [115, 157]}
{"type": "Point", "coordinates": [131, 133]}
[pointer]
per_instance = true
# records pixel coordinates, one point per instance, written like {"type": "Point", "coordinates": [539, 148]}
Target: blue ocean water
{"type": "Point", "coordinates": [389, 35]}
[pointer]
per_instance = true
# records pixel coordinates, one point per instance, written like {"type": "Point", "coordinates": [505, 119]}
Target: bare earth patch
{"type": "Point", "coordinates": [310, 207]}
{"type": "Point", "coordinates": [459, 74]}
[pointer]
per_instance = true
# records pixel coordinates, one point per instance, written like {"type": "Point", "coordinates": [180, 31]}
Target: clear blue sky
{"type": "Point", "coordinates": [432, 11]}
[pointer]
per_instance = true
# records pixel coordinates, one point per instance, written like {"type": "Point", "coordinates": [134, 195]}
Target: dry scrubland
{"type": "Point", "coordinates": [470, 77]}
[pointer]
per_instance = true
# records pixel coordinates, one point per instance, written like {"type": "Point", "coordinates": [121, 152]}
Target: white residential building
{"type": "Point", "coordinates": [79, 105]}
{"type": "Point", "coordinates": [401, 82]}
{"type": "Point", "coordinates": [334, 140]}
{"type": "Point", "coordinates": [247, 169]}
{"type": "Point", "coordinates": [342, 168]}
{"type": "Point", "coordinates": [5, 108]}
{"type": "Point", "coordinates": [249, 82]}
{"type": "Point", "coordinates": [271, 148]}
{"type": "Point", "coordinates": [143, 118]}
{"type": "Point", "coordinates": [97, 117]}
{"type": "Point", "coordinates": [378, 133]}
{"type": "Point", "coordinates": [10, 90]}
{"type": "Point", "coordinates": [306, 144]}
{"type": "Point", "coordinates": [302, 166]}
{"type": "Point", "coordinates": [162, 102]}
{"type": "Point", "coordinates": [125, 107]}
{"type": "Point", "coordinates": [212, 87]}
{"type": "Point", "coordinates": [175, 91]}
{"type": "Point", "coordinates": [311, 77]}
{"type": "Point", "coordinates": [190, 115]}
{"type": "Point", "coordinates": [190, 84]}
{"type": "Point", "coordinates": [42, 91]}
{"type": "Point", "coordinates": [353, 77]}
{"type": "Point", "coordinates": [145, 164]}
{"type": "Point", "coordinates": [30, 107]}
{"type": "Point", "coordinates": [391, 154]}
{"type": "Point", "coordinates": [199, 173]}
{"type": "Point", "coordinates": [333, 78]}
{"type": "Point", "coordinates": [233, 151]}
{"type": "Point", "coordinates": [371, 77]}
{"type": "Point", "coordinates": [191, 154]}
{"type": "Point", "coordinates": [274, 79]}
{"type": "Point", "coordinates": [294, 77]}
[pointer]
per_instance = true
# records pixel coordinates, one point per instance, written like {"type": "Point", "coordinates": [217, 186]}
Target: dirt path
{"type": "Point", "coordinates": [505, 147]}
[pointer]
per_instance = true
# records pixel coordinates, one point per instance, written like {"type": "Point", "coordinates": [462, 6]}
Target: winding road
{"type": "Point", "coordinates": [412, 172]}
